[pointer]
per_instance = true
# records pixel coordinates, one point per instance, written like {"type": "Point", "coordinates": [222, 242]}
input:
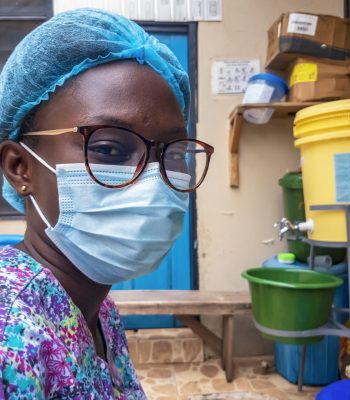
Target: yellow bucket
{"type": "Point", "coordinates": [322, 134]}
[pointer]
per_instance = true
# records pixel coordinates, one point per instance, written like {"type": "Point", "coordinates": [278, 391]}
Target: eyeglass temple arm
{"type": "Point", "coordinates": [52, 132]}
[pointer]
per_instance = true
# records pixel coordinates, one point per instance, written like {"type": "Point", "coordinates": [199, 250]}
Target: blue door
{"type": "Point", "coordinates": [175, 271]}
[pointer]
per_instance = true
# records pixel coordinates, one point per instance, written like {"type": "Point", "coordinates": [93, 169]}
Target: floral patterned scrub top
{"type": "Point", "coordinates": [46, 348]}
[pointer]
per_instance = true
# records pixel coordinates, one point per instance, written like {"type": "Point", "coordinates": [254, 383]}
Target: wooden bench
{"type": "Point", "coordinates": [186, 305]}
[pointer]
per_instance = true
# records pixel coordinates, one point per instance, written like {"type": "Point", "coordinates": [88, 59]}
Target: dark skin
{"type": "Point", "coordinates": [137, 98]}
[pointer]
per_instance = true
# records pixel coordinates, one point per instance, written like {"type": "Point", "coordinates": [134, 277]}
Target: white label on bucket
{"type": "Point", "coordinates": [342, 177]}
{"type": "Point", "coordinates": [258, 93]}
{"type": "Point", "coordinates": [303, 24]}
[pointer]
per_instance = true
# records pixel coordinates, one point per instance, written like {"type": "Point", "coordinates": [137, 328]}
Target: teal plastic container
{"type": "Point", "coordinates": [291, 300]}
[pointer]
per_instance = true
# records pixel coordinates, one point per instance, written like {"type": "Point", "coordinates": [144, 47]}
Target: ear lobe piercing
{"type": "Point", "coordinates": [23, 188]}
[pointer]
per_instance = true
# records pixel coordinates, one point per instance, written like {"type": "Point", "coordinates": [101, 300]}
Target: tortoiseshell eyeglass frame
{"type": "Point", "coordinates": [87, 131]}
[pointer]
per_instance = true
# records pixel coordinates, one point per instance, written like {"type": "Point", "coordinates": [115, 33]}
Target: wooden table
{"type": "Point", "coordinates": [187, 305]}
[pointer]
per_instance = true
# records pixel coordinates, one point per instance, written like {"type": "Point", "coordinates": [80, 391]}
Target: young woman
{"type": "Point", "coordinates": [95, 152]}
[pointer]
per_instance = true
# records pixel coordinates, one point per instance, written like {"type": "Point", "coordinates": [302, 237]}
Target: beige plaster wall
{"type": "Point", "coordinates": [9, 227]}
{"type": "Point", "coordinates": [233, 223]}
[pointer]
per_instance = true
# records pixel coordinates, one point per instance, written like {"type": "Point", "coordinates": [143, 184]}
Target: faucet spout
{"type": "Point", "coordinates": [285, 226]}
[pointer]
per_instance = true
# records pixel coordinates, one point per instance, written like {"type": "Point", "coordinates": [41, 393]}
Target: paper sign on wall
{"type": "Point", "coordinates": [131, 9]}
{"type": "Point", "coordinates": [303, 24]}
{"type": "Point", "coordinates": [180, 10]}
{"type": "Point", "coordinates": [163, 10]}
{"type": "Point", "coordinates": [147, 12]}
{"type": "Point", "coordinates": [151, 10]}
{"type": "Point", "coordinates": [196, 10]}
{"type": "Point", "coordinates": [114, 6]}
{"type": "Point", "coordinates": [212, 10]}
{"type": "Point", "coordinates": [231, 76]}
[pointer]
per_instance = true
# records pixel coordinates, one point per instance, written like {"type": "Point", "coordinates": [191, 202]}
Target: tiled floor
{"type": "Point", "coordinates": [183, 380]}
{"type": "Point", "coordinates": [171, 366]}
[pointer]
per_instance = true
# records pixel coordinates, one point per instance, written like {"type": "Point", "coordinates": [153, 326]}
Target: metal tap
{"type": "Point", "coordinates": [284, 226]}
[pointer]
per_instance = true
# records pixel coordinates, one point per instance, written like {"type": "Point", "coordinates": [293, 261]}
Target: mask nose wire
{"type": "Point", "coordinates": [43, 162]}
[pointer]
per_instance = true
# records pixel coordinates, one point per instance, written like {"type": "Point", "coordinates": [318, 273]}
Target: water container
{"type": "Point", "coordinates": [263, 88]}
{"type": "Point", "coordinates": [322, 134]}
{"type": "Point", "coordinates": [336, 391]}
{"type": "Point", "coordinates": [321, 362]}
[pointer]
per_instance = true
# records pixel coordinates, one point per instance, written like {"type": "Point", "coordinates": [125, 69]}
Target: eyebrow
{"type": "Point", "coordinates": [112, 120]}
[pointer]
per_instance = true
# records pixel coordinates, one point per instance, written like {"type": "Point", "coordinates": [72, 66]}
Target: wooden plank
{"type": "Point", "coordinates": [227, 346]}
{"type": "Point", "coordinates": [234, 136]}
{"type": "Point", "coordinates": [184, 302]}
{"type": "Point", "coordinates": [234, 170]}
{"type": "Point", "coordinates": [282, 110]}
{"type": "Point", "coordinates": [235, 133]}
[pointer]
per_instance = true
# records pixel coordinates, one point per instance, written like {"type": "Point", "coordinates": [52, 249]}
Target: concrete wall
{"type": "Point", "coordinates": [233, 223]}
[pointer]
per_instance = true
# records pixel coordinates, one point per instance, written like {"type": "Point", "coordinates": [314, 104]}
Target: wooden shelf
{"type": "Point", "coordinates": [282, 110]}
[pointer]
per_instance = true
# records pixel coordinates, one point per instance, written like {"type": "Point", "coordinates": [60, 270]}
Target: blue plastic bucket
{"type": "Point", "coordinates": [336, 391]}
{"type": "Point", "coordinates": [263, 88]}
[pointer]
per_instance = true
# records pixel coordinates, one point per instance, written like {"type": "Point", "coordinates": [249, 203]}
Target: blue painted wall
{"type": "Point", "coordinates": [176, 269]}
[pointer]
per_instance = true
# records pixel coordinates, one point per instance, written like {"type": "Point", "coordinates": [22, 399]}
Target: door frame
{"type": "Point", "coordinates": [190, 29]}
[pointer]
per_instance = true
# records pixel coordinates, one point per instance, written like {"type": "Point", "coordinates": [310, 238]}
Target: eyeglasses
{"type": "Point", "coordinates": [115, 157]}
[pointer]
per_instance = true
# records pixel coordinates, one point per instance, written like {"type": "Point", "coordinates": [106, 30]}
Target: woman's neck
{"type": "Point", "coordinates": [86, 294]}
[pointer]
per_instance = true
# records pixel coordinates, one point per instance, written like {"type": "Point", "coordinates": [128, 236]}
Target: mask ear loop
{"type": "Point", "coordinates": [42, 216]}
{"type": "Point", "coordinates": [42, 161]}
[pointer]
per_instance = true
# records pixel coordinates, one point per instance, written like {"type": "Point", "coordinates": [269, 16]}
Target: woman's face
{"type": "Point", "coordinates": [122, 93]}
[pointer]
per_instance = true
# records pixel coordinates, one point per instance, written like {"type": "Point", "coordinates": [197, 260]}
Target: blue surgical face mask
{"type": "Point", "coordinates": [112, 235]}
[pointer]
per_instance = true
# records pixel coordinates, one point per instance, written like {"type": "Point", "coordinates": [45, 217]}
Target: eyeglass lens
{"type": "Point", "coordinates": [115, 157]}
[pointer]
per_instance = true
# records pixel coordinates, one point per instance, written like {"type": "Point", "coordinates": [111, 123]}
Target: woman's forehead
{"type": "Point", "coordinates": [124, 93]}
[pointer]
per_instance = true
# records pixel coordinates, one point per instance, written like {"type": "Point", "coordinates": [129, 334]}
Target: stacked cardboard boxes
{"type": "Point", "coordinates": [313, 53]}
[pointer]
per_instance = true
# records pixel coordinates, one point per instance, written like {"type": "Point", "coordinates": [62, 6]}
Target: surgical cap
{"type": "Point", "coordinates": [66, 45]}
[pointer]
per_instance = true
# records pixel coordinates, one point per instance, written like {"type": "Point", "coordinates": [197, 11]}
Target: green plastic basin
{"type": "Point", "coordinates": [291, 300]}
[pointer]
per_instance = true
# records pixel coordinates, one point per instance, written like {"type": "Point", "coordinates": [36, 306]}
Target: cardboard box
{"type": "Point", "coordinates": [311, 79]}
{"type": "Point", "coordinates": [301, 34]}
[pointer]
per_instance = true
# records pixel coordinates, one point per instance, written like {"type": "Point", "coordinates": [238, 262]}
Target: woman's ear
{"type": "Point", "coordinates": [14, 164]}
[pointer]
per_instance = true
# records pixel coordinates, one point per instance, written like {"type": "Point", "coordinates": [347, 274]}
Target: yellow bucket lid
{"type": "Point", "coordinates": [322, 117]}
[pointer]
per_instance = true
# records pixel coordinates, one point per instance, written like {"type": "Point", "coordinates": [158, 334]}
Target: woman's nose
{"type": "Point", "coordinates": [154, 154]}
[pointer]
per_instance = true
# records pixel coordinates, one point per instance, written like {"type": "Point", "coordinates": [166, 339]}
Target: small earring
{"type": "Point", "coordinates": [23, 188]}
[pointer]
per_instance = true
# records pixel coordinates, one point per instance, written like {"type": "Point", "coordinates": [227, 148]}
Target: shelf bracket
{"type": "Point", "coordinates": [235, 131]}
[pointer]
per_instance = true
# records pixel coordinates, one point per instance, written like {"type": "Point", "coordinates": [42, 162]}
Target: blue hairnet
{"type": "Point", "coordinates": [66, 45]}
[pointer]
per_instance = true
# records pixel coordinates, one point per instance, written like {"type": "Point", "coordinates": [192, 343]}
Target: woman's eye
{"type": "Point", "coordinates": [176, 155]}
{"type": "Point", "coordinates": [109, 150]}
{"type": "Point", "coordinates": [104, 149]}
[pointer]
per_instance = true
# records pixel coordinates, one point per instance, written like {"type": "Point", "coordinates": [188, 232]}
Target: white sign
{"type": "Point", "coordinates": [180, 10]}
{"type": "Point", "coordinates": [163, 10]}
{"type": "Point", "coordinates": [231, 76]}
{"type": "Point", "coordinates": [131, 9]}
{"type": "Point", "coordinates": [147, 12]}
{"type": "Point", "coordinates": [303, 24]}
{"type": "Point", "coordinates": [114, 6]}
{"type": "Point", "coordinates": [196, 12]}
{"type": "Point", "coordinates": [212, 10]}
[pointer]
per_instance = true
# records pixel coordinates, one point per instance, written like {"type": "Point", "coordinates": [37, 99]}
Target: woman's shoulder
{"type": "Point", "coordinates": [16, 265]}
{"type": "Point", "coordinates": [17, 271]}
